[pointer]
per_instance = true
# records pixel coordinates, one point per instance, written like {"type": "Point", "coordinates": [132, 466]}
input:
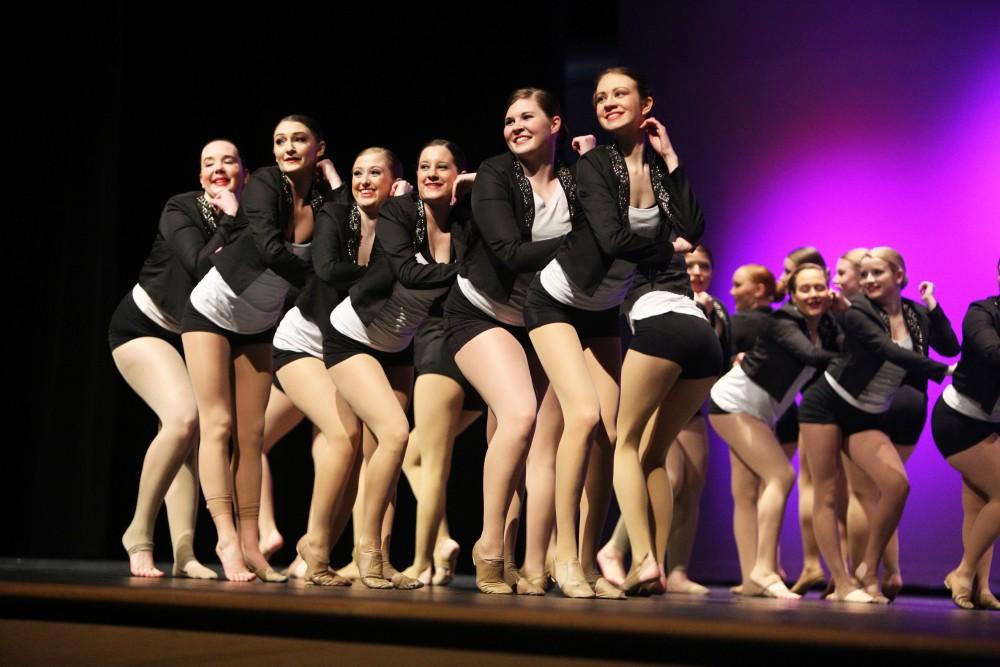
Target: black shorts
{"type": "Point", "coordinates": [688, 341]}
{"type": "Point", "coordinates": [905, 419]}
{"type": "Point", "coordinates": [463, 322]}
{"type": "Point", "coordinates": [281, 358]}
{"type": "Point", "coordinates": [787, 428]}
{"type": "Point", "coordinates": [954, 432]}
{"type": "Point", "coordinates": [822, 405]}
{"type": "Point", "coordinates": [195, 321]}
{"type": "Point", "coordinates": [337, 348]}
{"type": "Point", "coordinates": [714, 409]}
{"type": "Point", "coordinates": [432, 357]}
{"type": "Point", "coordinates": [129, 323]}
{"type": "Point", "coordinates": [540, 308]}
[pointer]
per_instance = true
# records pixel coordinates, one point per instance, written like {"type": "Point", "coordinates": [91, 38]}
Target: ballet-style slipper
{"type": "Point", "coordinates": [490, 574]}
{"type": "Point", "coordinates": [960, 595]}
{"type": "Point", "coordinates": [604, 589]}
{"type": "Point", "coordinates": [807, 580]}
{"type": "Point", "coordinates": [772, 587]}
{"type": "Point", "coordinates": [612, 569]}
{"type": "Point", "coordinates": [984, 599]}
{"type": "Point", "coordinates": [571, 580]}
{"type": "Point", "coordinates": [857, 595]}
{"type": "Point", "coordinates": [445, 559]}
{"type": "Point", "coordinates": [318, 567]}
{"type": "Point", "coordinates": [405, 583]}
{"type": "Point", "coordinates": [641, 575]}
{"type": "Point", "coordinates": [371, 572]}
{"type": "Point", "coordinates": [269, 575]}
{"type": "Point", "coordinates": [891, 586]}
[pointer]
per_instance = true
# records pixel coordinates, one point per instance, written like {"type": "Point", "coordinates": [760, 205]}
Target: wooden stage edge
{"type": "Point", "coordinates": [460, 622]}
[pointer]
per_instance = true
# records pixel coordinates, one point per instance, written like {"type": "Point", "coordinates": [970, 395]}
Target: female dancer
{"type": "Point", "coordinates": [640, 209]}
{"type": "Point", "coordinates": [687, 460]}
{"type": "Point", "coordinates": [903, 422]}
{"type": "Point", "coordinates": [749, 399]}
{"type": "Point", "coordinates": [341, 251]}
{"type": "Point", "coordinates": [367, 348]}
{"type": "Point", "coordinates": [884, 338]}
{"type": "Point", "coordinates": [523, 204]}
{"type": "Point", "coordinates": [444, 405]}
{"type": "Point", "coordinates": [966, 426]}
{"type": "Point", "coordinates": [145, 344]}
{"type": "Point", "coordinates": [228, 326]}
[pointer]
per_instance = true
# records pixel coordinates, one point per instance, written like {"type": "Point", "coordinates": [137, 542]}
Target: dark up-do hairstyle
{"type": "Point", "coordinates": [457, 154]}
{"type": "Point", "coordinates": [395, 164]}
{"type": "Point", "coordinates": [308, 121]}
{"type": "Point", "coordinates": [759, 274]}
{"type": "Point", "coordinates": [641, 83]}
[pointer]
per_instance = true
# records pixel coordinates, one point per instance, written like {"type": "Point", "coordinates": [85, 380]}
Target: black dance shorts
{"type": "Point", "coordinates": [129, 323]}
{"type": "Point", "coordinates": [431, 357]}
{"type": "Point", "coordinates": [822, 405]}
{"type": "Point", "coordinates": [463, 322]}
{"type": "Point", "coordinates": [337, 348]}
{"type": "Point", "coordinates": [954, 432]}
{"type": "Point", "coordinates": [787, 428]}
{"type": "Point", "coordinates": [540, 308]}
{"type": "Point", "coordinates": [195, 321]}
{"type": "Point", "coordinates": [688, 341]}
{"type": "Point", "coordinates": [281, 358]}
{"type": "Point", "coordinates": [905, 419]}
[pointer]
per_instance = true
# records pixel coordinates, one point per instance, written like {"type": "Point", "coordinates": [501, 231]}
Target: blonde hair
{"type": "Point", "coordinates": [855, 255]}
{"type": "Point", "coordinates": [891, 257]}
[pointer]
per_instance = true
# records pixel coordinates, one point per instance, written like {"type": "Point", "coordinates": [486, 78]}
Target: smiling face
{"type": "Point", "coordinates": [699, 268]}
{"type": "Point", "coordinates": [436, 173]}
{"type": "Point", "coordinates": [618, 104]}
{"type": "Point", "coordinates": [371, 179]}
{"type": "Point", "coordinates": [296, 148]}
{"type": "Point", "coordinates": [527, 129]}
{"type": "Point", "coordinates": [221, 169]}
{"type": "Point", "coordinates": [810, 293]}
{"type": "Point", "coordinates": [846, 277]}
{"type": "Point", "coordinates": [880, 280]}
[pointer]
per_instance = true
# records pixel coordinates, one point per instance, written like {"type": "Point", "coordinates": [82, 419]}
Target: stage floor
{"type": "Point", "coordinates": [88, 612]}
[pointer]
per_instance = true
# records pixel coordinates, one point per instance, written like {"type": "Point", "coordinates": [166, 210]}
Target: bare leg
{"type": "Point", "coordinates": [980, 468]}
{"type": "Point", "coordinates": [562, 355]}
{"type": "Point", "coordinates": [497, 366]}
{"type": "Point", "coordinates": [374, 395]}
{"type": "Point", "coordinates": [182, 501]}
{"type": "Point", "coordinates": [754, 443]}
{"type": "Point", "coordinates": [437, 409]}
{"type": "Point", "coordinates": [862, 497]}
{"type": "Point", "coordinates": [611, 557]}
{"type": "Point", "coordinates": [875, 455]}
{"type": "Point", "coordinates": [210, 367]}
{"type": "Point", "coordinates": [603, 359]}
{"type": "Point", "coordinates": [812, 570]}
{"type": "Point", "coordinates": [280, 417]}
{"type": "Point", "coordinates": [745, 486]}
{"type": "Point", "coordinates": [156, 372]}
{"type": "Point", "coordinates": [690, 454]}
{"type": "Point", "coordinates": [309, 386]}
{"type": "Point", "coordinates": [252, 382]}
{"type": "Point", "coordinates": [540, 482]}
{"type": "Point", "coordinates": [892, 573]}
{"type": "Point", "coordinates": [822, 443]}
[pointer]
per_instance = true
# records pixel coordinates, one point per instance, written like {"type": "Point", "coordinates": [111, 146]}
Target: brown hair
{"type": "Point", "coordinates": [457, 154]}
{"type": "Point", "coordinates": [806, 266]}
{"type": "Point", "coordinates": [891, 257]}
{"type": "Point", "coordinates": [308, 121]}
{"type": "Point", "coordinates": [855, 255]}
{"type": "Point", "coordinates": [704, 249]}
{"type": "Point", "coordinates": [641, 84]}
{"type": "Point", "coordinates": [806, 255]}
{"type": "Point", "coordinates": [545, 100]}
{"type": "Point", "coordinates": [395, 164]}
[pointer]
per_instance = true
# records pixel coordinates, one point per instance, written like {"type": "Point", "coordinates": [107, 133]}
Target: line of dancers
{"type": "Point", "coordinates": [503, 292]}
